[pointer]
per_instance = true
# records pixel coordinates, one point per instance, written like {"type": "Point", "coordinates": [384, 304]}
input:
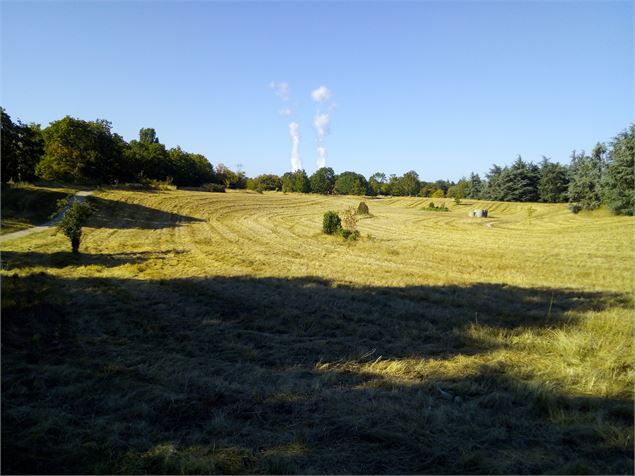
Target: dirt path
{"type": "Point", "coordinates": [78, 197]}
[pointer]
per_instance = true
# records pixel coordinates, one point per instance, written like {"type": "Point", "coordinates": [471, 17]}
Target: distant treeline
{"type": "Point", "coordinates": [78, 151]}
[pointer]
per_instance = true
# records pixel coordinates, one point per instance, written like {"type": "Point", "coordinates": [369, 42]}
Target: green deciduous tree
{"type": "Point", "coordinates": [229, 178]}
{"type": "Point", "coordinates": [188, 169]}
{"type": "Point", "coordinates": [22, 148]}
{"type": "Point", "coordinates": [458, 191]}
{"type": "Point", "coordinates": [265, 182]}
{"type": "Point", "coordinates": [377, 184]}
{"type": "Point", "coordinates": [297, 181]}
{"type": "Point", "coordinates": [148, 135]}
{"type": "Point", "coordinates": [407, 185]}
{"type": "Point", "coordinates": [351, 183]}
{"type": "Point", "coordinates": [82, 151]}
{"type": "Point", "coordinates": [72, 222]}
{"type": "Point", "coordinates": [323, 180]}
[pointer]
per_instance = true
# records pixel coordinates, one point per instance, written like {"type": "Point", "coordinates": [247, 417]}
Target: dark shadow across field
{"type": "Point", "coordinates": [13, 260]}
{"type": "Point", "coordinates": [121, 215]}
{"type": "Point", "coordinates": [28, 207]}
{"type": "Point", "coordinates": [224, 375]}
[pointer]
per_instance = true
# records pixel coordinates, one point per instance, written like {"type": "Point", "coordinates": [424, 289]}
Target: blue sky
{"type": "Point", "coordinates": [441, 88]}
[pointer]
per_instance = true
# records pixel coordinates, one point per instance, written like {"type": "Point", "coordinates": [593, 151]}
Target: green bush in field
{"type": "Point", "coordinates": [72, 222]}
{"type": "Point", "coordinates": [351, 235]}
{"type": "Point", "coordinates": [331, 223]}
{"type": "Point", "coordinates": [433, 208]}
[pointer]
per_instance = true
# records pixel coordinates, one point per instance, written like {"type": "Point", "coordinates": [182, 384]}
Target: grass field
{"type": "Point", "coordinates": [224, 333]}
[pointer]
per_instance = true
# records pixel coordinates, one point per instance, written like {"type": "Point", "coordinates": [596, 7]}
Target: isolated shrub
{"type": "Point", "coordinates": [351, 235]}
{"type": "Point", "coordinates": [362, 209]}
{"type": "Point", "coordinates": [72, 221]}
{"type": "Point", "coordinates": [433, 208]}
{"type": "Point", "coordinates": [349, 219]}
{"type": "Point", "coordinates": [213, 187]}
{"type": "Point", "coordinates": [331, 223]}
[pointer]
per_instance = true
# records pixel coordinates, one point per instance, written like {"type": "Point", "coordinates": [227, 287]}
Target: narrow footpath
{"type": "Point", "coordinates": [78, 197]}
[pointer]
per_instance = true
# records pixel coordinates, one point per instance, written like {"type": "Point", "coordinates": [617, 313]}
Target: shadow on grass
{"type": "Point", "coordinates": [12, 260]}
{"type": "Point", "coordinates": [122, 215]}
{"type": "Point", "coordinates": [27, 206]}
{"type": "Point", "coordinates": [245, 375]}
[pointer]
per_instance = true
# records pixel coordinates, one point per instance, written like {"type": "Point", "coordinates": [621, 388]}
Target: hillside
{"type": "Point", "coordinates": [223, 332]}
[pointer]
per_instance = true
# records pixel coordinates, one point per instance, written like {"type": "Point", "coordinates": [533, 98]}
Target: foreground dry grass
{"type": "Point", "coordinates": [207, 333]}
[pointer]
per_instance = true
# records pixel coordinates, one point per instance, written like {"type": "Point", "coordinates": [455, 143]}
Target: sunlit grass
{"type": "Point", "coordinates": [225, 333]}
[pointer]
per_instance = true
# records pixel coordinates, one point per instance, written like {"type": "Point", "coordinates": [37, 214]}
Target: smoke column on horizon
{"type": "Point", "coordinates": [322, 124]}
{"type": "Point", "coordinates": [282, 90]}
{"type": "Point", "coordinates": [294, 132]}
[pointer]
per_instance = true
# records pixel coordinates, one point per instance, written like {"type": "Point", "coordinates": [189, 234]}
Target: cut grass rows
{"type": "Point", "coordinates": [224, 333]}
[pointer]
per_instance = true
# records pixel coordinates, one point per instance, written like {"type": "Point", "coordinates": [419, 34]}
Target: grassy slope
{"type": "Point", "coordinates": [24, 206]}
{"type": "Point", "coordinates": [224, 333]}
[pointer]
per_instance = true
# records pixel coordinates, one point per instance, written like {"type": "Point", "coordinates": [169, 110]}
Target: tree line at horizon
{"type": "Point", "coordinates": [77, 151]}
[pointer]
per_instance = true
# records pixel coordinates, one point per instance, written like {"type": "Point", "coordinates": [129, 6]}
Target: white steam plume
{"type": "Point", "coordinates": [296, 163]}
{"type": "Point", "coordinates": [321, 123]}
{"type": "Point", "coordinates": [321, 161]}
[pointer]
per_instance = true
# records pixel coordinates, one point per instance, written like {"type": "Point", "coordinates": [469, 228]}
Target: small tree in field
{"type": "Point", "coordinates": [331, 223]}
{"type": "Point", "coordinates": [72, 222]}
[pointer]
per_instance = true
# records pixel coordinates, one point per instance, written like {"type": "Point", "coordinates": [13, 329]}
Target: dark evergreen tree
{"type": "Point", "coordinates": [553, 183]}
{"type": "Point", "coordinates": [585, 179]}
{"type": "Point", "coordinates": [619, 179]}
{"type": "Point", "coordinates": [519, 183]}
{"type": "Point", "coordinates": [474, 188]}
{"type": "Point", "coordinates": [493, 187]}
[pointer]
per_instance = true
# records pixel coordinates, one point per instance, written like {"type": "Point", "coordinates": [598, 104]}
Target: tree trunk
{"type": "Point", "coordinates": [75, 244]}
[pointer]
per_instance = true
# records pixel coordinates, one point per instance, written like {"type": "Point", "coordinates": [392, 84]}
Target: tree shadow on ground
{"type": "Point", "coordinates": [122, 215]}
{"type": "Point", "coordinates": [246, 375]}
{"type": "Point", "coordinates": [22, 206]}
{"type": "Point", "coordinates": [13, 260]}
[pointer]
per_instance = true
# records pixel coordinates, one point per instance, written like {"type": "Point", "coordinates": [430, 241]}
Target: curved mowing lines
{"type": "Point", "coordinates": [276, 234]}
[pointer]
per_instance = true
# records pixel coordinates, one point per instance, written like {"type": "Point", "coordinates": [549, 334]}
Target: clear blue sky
{"type": "Point", "coordinates": [441, 88]}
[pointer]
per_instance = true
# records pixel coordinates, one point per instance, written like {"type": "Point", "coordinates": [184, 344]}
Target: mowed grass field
{"type": "Point", "coordinates": [224, 333]}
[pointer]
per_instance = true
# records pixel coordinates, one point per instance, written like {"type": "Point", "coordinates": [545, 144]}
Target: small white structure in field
{"type": "Point", "coordinates": [478, 213]}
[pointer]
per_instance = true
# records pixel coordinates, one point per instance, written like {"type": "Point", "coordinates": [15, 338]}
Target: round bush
{"type": "Point", "coordinates": [362, 209]}
{"type": "Point", "coordinates": [331, 223]}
